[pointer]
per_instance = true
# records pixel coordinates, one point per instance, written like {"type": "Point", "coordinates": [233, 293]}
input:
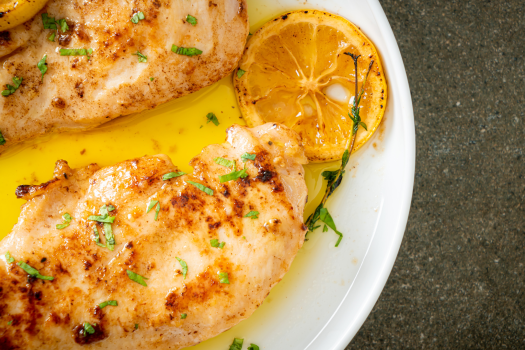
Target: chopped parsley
{"type": "Point", "coordinates": [9, 258]}
{"type": "Point", "coordinates": [184, 267]}
{"type": "Point", "coordinates": [76, 52]}
{"type": "Point", "coordinates": [51, 23]}
{"type": "Point", "coordinates": [67, 220]}
{"type": "Point", "coordinates": [215, 243]}
{"type": "Point", "coordinates": [10, 89]}
{"type": "Point", "coordinates": [186, 51]}
{"type": "Point", "coordinates": [137, 278]}
{"type": "Point", "coordinates": [234, 175]}
{"type": "Point", "coordinates": [63, 25]}
{"type": "Point", "coordinates": [42, 66]}
{"type": "Point", "coordinates": [97, 237]}
{"type": "Point", "coordinates": [247, 156]}
{"type": "Point", "coordinates": [237, 344]}
{"type": "Point", "coordinates": [223, 277]}
{"type": "Point", "coordinates": [191, 20]}
{"type": "Point", "coordinates": [136, 326]}
{"type": "Point", "coordinates": [151, 78]}
{"type": "Point", "coordinates": [183, 316]}
{"type": "Point", "coordinates": [253, 214]}
{"type": "Point", "coordinates": [102, 218]}
{"type": "Point", "coordinates": [51, 37]}
{"type": "Point", "coordinates": [48, 22]}
{"type": "Point", "coordinates": [106, 303]}
{"type": "Point", "coordinates": [33, 272]}
{"type": "Point", "coordinates": [105, 218]}
{"type": "Point", "coordinates": [202, 188]}
{"type": "Point", "coordinates": [88, 328]}
{"type": "Point", "coordinates": [225, 162]}
{"type": "Point", "coordinates": [10, 323]}
{"type": "Point", "coordinates": [240, 73]}
{"type": "Point", "coordinates": [151, 205]}
{"type": "Point", "coordinates": [171, 175]}
{"type": "Point", "coordinates": [253, 347]}
{"type": "Point", "coordinates": [139, 16]}
{"type": "Point", "coordinates": [212, 118]}
{"type": "Point", "coordinates": [142, 58]}
{"type": "Point", "coordinates": [2, 139]}
{"type": "Point", "coordinates": [325, 217]}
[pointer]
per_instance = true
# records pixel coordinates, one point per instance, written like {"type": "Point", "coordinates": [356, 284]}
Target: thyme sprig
{"type": "Point", "coordinates": [334, 178]}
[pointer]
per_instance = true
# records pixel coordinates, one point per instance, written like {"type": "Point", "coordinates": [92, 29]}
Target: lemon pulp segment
{"type": "Point", "coordinates": [296, 73]}
{"type": "Point", "coordinates": [15, 12]}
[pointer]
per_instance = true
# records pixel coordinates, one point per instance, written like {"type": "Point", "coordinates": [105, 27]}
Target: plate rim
{"type": "Point", "coordinates": [376, 284]}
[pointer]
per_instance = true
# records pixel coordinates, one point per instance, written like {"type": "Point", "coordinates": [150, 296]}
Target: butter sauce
{"type": "Point", "coordinates": [178, 129]}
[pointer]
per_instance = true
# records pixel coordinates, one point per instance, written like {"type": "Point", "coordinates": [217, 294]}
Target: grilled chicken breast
{"type": "Point", "coordinates": [220, 287]}
{"type": "Point", "coordinates": [81, 92]}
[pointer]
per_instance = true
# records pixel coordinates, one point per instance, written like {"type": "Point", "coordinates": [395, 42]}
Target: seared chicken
{"type": "Point", "coordinates": [235, 241]}
{"type": "Point", "coordinates": [131, 67]}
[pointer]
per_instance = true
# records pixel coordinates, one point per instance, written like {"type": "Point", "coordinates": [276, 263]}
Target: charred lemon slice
{"type": "Point", "coordinates": [294, 71]}
{"type": "Point", "coordinates": [15, 12]}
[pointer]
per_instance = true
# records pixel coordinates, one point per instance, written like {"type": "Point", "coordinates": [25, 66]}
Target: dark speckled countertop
{"type": "Point", "coordinates": [459, 278]}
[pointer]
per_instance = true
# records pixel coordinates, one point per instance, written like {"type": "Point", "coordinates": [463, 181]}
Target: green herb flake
{"type": "Point", "coordinates": [191, 20]}
{"type": "Point", "coordinates": [223, 277]}
{"type": "Point", "coordinates": [184, 267]}
{"type": "Point", "coordinates": [10, 89]}
{"type": "Point", "coordinates": [253, 347]}
{"type": "Point", "coordinates": [151, 78]}
{"type": "Point", "coordinates": [151, 205]}
{"type": "Point", "coordinates": [42, 66]}
{"type": "Point", "coordinates": [222, 245]}
{"type": "Point", "coordinates": [102, 218]}
{"type": "Point", "coordinates": [62, 25]}
{"type": "Point", "coordinates": [142, 58]}
{"type": "Point", "coordinates": [67, 220]}
{"type": "Point", "coordinates": [183, 316]}
{"type": "Point", "coordinates": [9, 258]}
{"type": "Point", "coordinates": [172, 175]}
{"type": "Point", "coordinates": [213, 242]}
{"type": "Point", "coordinates": [211, 117]}
{"type": "Point", "coordinates": [157, 212]}
{"type": "Point", "coordinates": [52, 37]}
{"type": "Point", "coordinates": [325, 217]}
{"type": "Point", "coordinates": [33, 272]}
{"type": "Point", "coordinates": [106, 303]}
{"type": "Point", "coordinates": [253, 214]}
{"type": "Point", "coordinates": [76, 52]}
{"type": "Point", "coordinates": [110, 237]}
{"type": "Point", "coordinates": [88, 328]}
{"type": "Point", "coordinates": [247, 156]}
{"type": "Point", "coordinates": [139, 16]}
{"type": "Point", "coordinates": [136, 326]}
{"type": "Point", "coordinates": [2, 139]}
{"type": "Point", "coordinates": [234, 175]}
{"type": "Point", "coordinates": [225, 162]}
{"type": "Point", "coordinates": [240, 73]}
{"type": "Point", "coordinates": [10, 323]}
{"type": "Point", "coordinates": [48, 22]}
{"type": "Point", "coordinates": [137, 278]}
{"type": "Point", "coordinates": [203, 188]}
{"type": "Point", "coordinates": [186, 51]}
{"type": "Point", "coordinates": [237, 344]}
{"type": "Point", "coordinates": [97, 237]}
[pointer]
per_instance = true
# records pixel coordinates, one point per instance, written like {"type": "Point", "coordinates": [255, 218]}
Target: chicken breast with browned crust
{"type": "Point", "coordinates": [128, 64]}
{"type": "Point", "coordinates": [201, 260]}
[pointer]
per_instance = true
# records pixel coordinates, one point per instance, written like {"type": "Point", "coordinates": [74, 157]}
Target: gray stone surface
{"type": "Point", "coordinates": [459, 280]}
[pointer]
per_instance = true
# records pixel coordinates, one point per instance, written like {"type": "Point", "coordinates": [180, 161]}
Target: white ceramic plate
{"type": "Point", "coordinates": [328, 292]}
